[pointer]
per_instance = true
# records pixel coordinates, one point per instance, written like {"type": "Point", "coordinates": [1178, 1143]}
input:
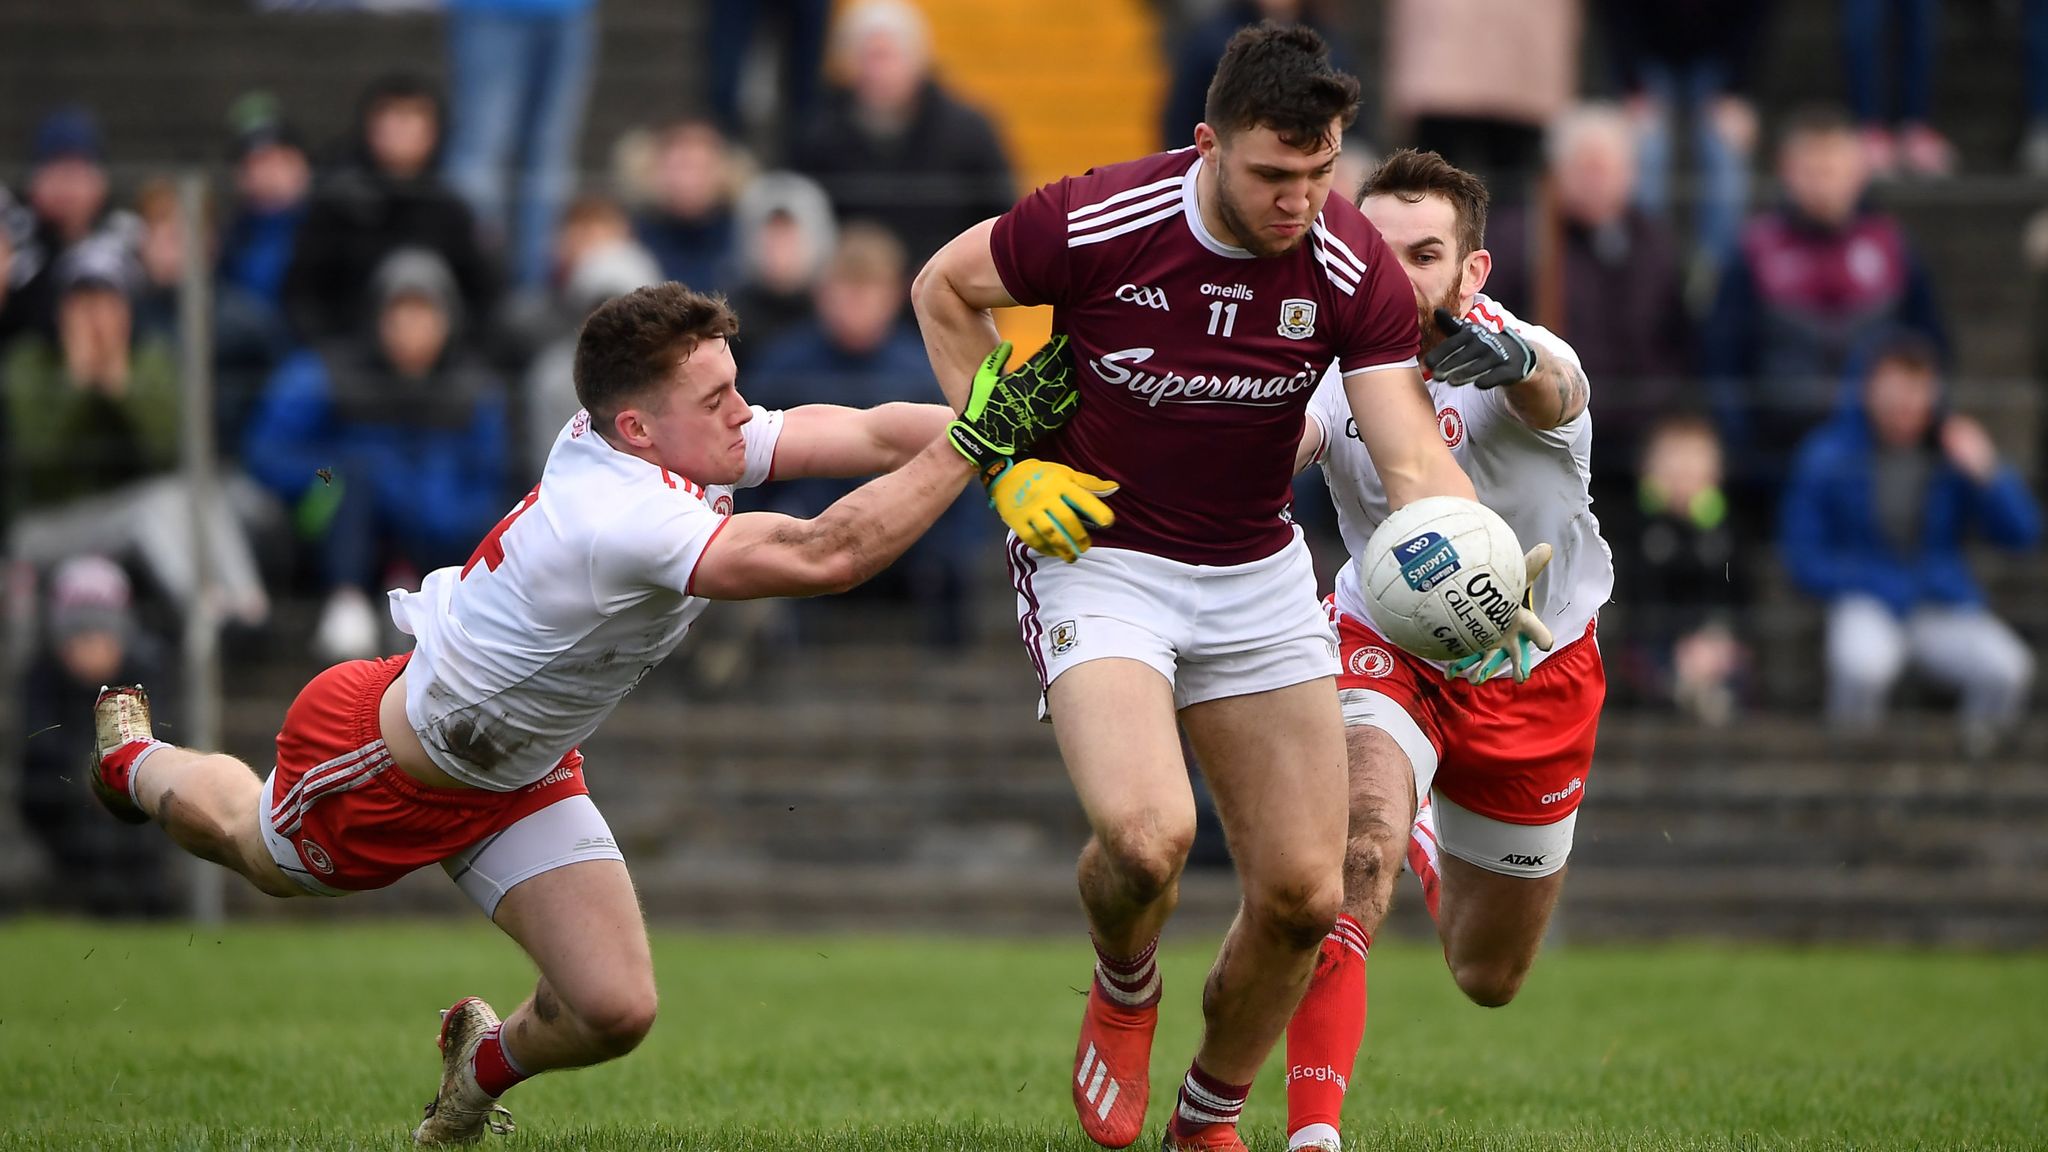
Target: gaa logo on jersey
{"type": "Point", "coordinates": [316, 856]}
{"type": "Point", "coordinates": [1066, 636]}
{"type": "Point", "coordinates": [1371, 660]}
{"type": "Point", "coordinates": [1426, 560]}
{"type": "Point", "coordinates": [1297, 318]}
{"type": "Point", "coordinates": [1451, 425]}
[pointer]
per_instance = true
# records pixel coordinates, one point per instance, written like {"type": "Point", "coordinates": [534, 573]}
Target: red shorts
{"type": "Point", "coordinates": [339, 816]}
{"type": "Point", "coordinates": [1519, 753]}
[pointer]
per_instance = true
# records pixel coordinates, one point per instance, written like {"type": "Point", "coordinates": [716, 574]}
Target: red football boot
{"type": "Point", "coordinates": [1113, 1068]}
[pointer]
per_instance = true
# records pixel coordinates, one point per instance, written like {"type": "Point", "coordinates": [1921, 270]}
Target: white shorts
{"type": "Point", "coordinates": [1530, 851]}
{"type": "Point", "coordinates": [563, 833]}
{"type": "Point", "coordinates": [1212, 631]}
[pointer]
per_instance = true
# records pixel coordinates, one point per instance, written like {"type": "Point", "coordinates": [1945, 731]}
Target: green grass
{"type": "Point", "coordinates": [321, 1037]}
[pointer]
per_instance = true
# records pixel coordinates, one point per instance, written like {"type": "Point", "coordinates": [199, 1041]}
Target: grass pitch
{"type": "Point", "coordinates": [292, 1037]}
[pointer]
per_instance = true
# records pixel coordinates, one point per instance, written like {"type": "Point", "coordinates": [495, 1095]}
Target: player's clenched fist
{"type": "Point", "coordinates": [1049, 506]}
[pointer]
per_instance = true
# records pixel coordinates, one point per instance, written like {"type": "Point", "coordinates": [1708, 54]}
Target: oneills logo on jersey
{"type": "Point", "coordinates": [1297, 318]}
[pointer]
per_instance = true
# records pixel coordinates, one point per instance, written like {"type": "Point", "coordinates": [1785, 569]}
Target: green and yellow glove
{"type": "Point", "coordinates": [1049, 506]}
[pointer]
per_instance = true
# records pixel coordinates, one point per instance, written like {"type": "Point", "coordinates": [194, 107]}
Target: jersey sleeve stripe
{"type": "Point", "coordinates": [1410, 362]}
{"type": "Point", "coordinates": [1126, 194]}
{"type": "Point", "coordinates": [690, 585]}
{"type": "Point", "coordinates": [1173, 209]}
{"type": "Point", "coordinates": [1124, 213]}
{"type": "Point", "coordinates": [1342, 249]}
{"type": "Point", "coordinates": [1337, 273]}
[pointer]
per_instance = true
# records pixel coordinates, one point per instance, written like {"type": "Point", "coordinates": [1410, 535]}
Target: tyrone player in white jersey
{"type": "Point", "coordinates": [1204, 290]}
{"type": "Point", "coordinates": [463, 752]}
{"type": "Point", "coordinates": [1499, 745]}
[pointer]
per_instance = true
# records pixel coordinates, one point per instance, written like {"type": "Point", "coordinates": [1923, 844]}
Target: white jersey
{"type": "Point", "coordinates": [1537, 481]}
{"type": "Point", "coordinates": [578, 593]}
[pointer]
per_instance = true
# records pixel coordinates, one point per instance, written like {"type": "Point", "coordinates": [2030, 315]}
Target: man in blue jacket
{"type": "Point", "coordinates": [1880, 503]}
{"type": "Point", "coordinates": [392, 444]}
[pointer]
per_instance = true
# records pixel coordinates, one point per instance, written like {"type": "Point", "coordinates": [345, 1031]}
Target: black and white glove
{"type": "Point", "coordinates": [1474, 354]}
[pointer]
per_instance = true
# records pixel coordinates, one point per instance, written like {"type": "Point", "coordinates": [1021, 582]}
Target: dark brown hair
{"type": "Point", "coordinates": [631, 345]}
{"type": "Point", "coordinates": [1409, 175]}
{"type": "Point", "coordinates": [1279, 76]}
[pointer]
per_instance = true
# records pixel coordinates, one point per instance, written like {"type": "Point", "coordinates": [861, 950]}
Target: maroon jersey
{"type": "Point", "coordinates": [1197, 360]}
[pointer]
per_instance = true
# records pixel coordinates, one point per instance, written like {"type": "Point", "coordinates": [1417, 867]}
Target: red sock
{"type": "Point", "coordinates": [1204, 1101]}
{"type": "Point", "coordinates": [496, 1070]}
{"type": "Point", "coordinates": [1323, 1037]}
{"type": "Point", "coordinates": [120, 766]}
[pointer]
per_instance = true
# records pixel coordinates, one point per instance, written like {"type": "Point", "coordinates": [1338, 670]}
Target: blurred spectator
{"type": "Point", "coordinates": [1693, 59]}
{"type": "Point", "coordinates": [96, 407]}
{"type": "Point", "coordinates": [96, 866]}
{"type": "Point", "coordinates": [1678, 564]}
{"type": "Point", "coordinates": [861, 352]}
{"type": "Point", "coordinates": [272, 186]}
{"type": "Point", "coordinates": [800, 24]}
{"type": "Point", "coordinates": [1194, 60]}
{"type": "Point", "coordinates": [893, 145]}
{"type": "Point", "coordinates": [383, 196]}
{"type": "Point", "coordinates": [67, 201]}
{"type": "Point", "coordinates": [519, 79]}
{"type": "Point", "coordinates": [1615, 291]}
{"type": "Point", "coordinates": [1814, 284]}
{"type": "Point", "coordinates": [392, 445]}
{"type": "Point", "coordinates": [596, 259]}
{"type": "Point", "coordinates": [1478, 80]}
{"type": "Point", "coordinates": [93, 429]}
{"type": "Point", "coordinates": [688, 225]}
{"type": "Point", "coordinates": [160, 246]}
{"type": "Point", "coordinates": [1915, 147]}
{"type": "Point", "coordinates": [1880, 506]}
{"type": "Point", "coordinates": [786, 233]}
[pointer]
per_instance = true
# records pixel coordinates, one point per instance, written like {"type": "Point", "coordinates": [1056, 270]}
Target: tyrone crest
{"type": "Point", "coordinates": [1297, 318]}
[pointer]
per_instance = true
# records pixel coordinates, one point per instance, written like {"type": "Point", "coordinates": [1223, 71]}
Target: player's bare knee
{"type": "Point", "coordinates": [619, 1021]}
{"type": "Point", "coordinates": [1372, 858]}
{"type": "Point", "coordinates": [1146, 854]}
{"type": "Point", "coordinates": [1490, 983]}
{"type": "Point", "coordinates": [1298, 913]}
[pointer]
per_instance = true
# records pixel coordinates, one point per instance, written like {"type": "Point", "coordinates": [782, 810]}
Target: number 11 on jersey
{"type": "Point", "coordinates": [1222, 316]}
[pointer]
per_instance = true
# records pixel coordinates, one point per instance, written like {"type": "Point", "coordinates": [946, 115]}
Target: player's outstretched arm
{"type": "Point", "coordinates": [1397, 424]}
{"type": "Point", "coordinates": [952, 297]}
{"type": "Point", "coordinates": [1544, 391]}
{"type": "Point", "coordinates": [831, 440]}
{"type": "Point", "coordinates": [761, 554]}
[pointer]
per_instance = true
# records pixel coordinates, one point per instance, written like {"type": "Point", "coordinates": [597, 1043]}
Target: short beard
{"type": "Point", "coordinates": [1426, 316]}
{"type": "Point", "coordinates": [1247, 235]}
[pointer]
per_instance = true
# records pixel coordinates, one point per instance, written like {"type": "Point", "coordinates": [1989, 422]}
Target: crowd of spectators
{"type": "Point", "coordinates": [394, 312]}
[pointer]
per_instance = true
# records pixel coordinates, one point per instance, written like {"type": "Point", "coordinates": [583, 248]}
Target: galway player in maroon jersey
{"type": "Point", "coordinates": [1205, 292]}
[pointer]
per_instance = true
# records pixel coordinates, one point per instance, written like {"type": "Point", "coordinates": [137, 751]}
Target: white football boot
{"type": "Point", "coordinates": [462, 1112]}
